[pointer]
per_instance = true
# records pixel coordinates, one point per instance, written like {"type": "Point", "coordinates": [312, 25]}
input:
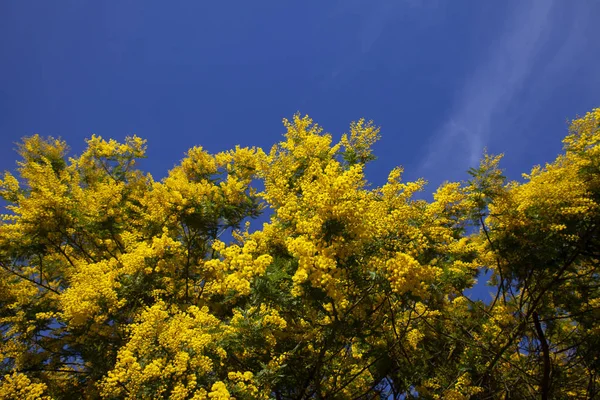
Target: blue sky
{"type": "Point", "coordinates": [443, 79]}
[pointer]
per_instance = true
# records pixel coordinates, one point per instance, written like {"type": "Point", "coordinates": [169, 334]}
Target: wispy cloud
{"type": "Point", "coordinates": [491, 87]}
{"type": "Point", "coordinates": [375, 16]}
{"type": "Point", "coordinates": [375, 22]}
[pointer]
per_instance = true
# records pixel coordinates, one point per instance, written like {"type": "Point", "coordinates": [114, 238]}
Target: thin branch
{"type": "Point", "coordinates": [545, 386]}
{"type": "Point", "coordinates": [28, 279]}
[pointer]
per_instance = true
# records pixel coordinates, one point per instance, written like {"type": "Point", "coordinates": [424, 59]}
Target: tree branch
{"type": "Point", "coordinates": [545, 385]}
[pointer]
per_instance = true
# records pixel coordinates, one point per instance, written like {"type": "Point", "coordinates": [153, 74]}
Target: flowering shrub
{"type": "Point", "coordinates": [114, 285]}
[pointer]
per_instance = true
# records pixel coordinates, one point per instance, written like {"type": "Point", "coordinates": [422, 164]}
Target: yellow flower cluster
{"type": "Point", "coordinates": [219, 392]}
{"type": "Point", "coordinates": [243, 383]}
{"type": "Point", "coordinates": [188, 336]}
{"type": "Point", "coordinates": [558, 195]}
{"type": "Point", "coordinates": [237, 268]}
{"type": "Point", "coordinates": [272, 318]}
{"type": "Point", "coordinates": [19, 386]}
{"type": "Point", "coordinates": [407, 275]}
{"type": "Point", "coordinates": [92, 285]}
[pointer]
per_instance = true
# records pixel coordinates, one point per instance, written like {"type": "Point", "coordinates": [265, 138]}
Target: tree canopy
{"type": "Point", "coordinates": [117, 286]}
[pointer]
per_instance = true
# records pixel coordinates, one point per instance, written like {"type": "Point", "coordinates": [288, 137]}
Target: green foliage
{"type": "Point", "coordinates": [113, 285]}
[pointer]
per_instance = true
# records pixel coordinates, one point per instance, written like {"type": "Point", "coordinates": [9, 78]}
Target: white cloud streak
{"type": "Point", "coordinates": [459, 142]}
{"type": "Point", "coordinates": [375, 16]}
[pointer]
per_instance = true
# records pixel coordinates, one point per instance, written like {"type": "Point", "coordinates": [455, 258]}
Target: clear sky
{"type": "Point", "coordinates": [442, 78]}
